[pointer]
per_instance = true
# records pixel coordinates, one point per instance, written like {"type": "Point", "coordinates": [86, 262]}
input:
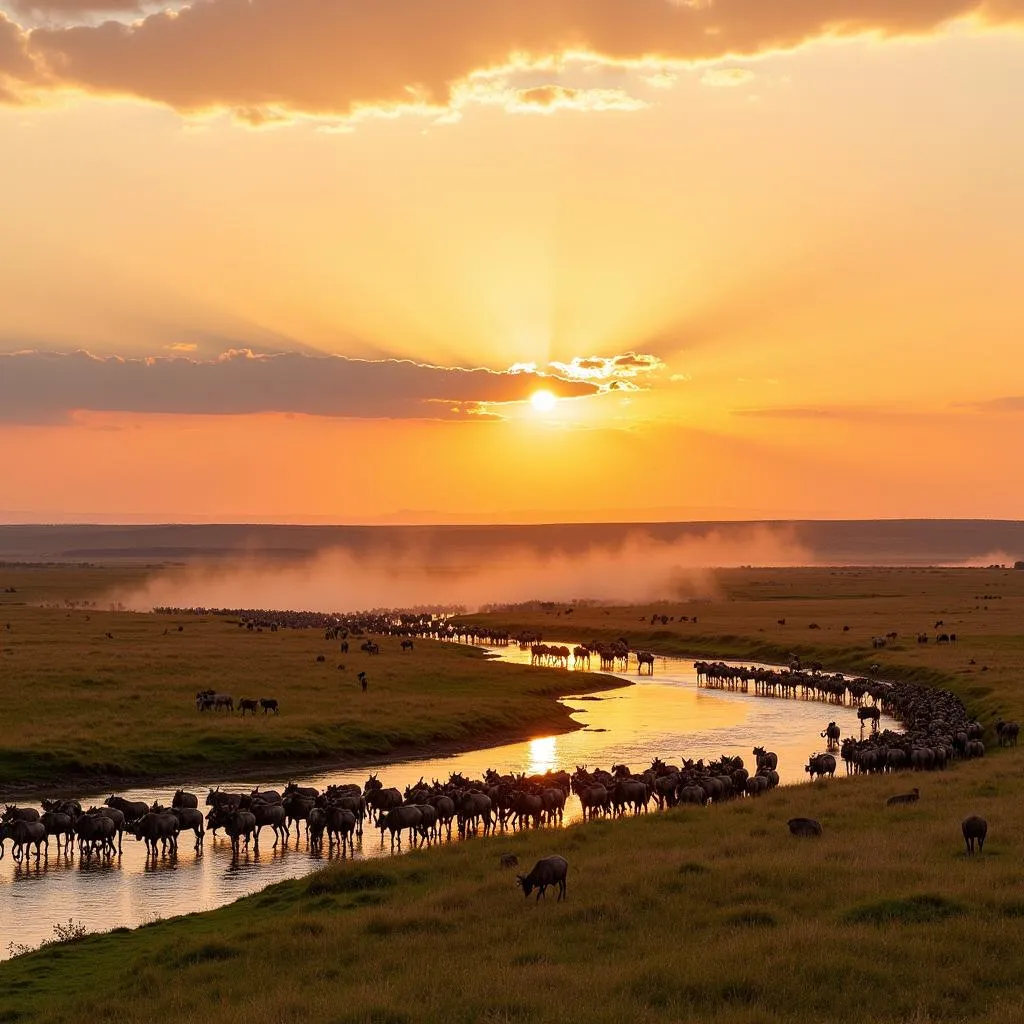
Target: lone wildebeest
{"type": "Point", "coordinates": [903, 798]}
{"type": "Point", "coordinates": [547, 871]}
{"type": "Point", "coordinates": [269, 704]}
{"type": "Point", "coordinates": [804, 827]}
{"type": "Point", "coordinates": [362, 680]}
{"type": "Point", "coordinates": [974, 828]}
{"type": "Point", "coordinates": [832, 734]}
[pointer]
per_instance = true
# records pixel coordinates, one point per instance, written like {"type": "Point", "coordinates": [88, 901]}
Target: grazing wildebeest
{"type": "Point", "coordinates": [974, 828]}
{"type": "Point", "coordinates": [903, 798]}
{"type": "Point", "coordinates": [804, 827]}
{"type": "Point", "coordinates": [183, 799]}
{"type": "Point", "coordinates": [269, 704]}
{"type": "Point", "coordinates": [407, 645]}
{"type": "Point", "coordinates": [547, 871]}
{"type": "Point", "coordinates": [644, 658]}
{"type": "Point", "coordinates": [248, 704]}
{"type": "Point", "coordinates": [832, 734]}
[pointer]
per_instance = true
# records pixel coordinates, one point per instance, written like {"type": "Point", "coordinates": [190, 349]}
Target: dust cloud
{"type": "Point", "coordinates": [638, 569]}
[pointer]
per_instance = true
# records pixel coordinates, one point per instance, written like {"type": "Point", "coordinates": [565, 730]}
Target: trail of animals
{"type": "Point", "coordinates": [937, 731]}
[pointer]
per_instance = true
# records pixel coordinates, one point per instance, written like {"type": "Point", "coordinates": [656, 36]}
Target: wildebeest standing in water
{"type": "Point", "coordinates": [547, 871]}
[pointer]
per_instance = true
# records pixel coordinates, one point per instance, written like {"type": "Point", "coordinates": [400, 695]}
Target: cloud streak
{"type": "Point", "coordinates": [333, 58]}
{"type": "Point", "coordinates": [38, 387]}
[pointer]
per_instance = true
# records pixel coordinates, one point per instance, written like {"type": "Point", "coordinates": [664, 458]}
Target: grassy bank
{"type": "Point", "coordinates": [714, 915]}
{"type": "Point", "coordinates": [767, 614]}
{"type": "Point", "coordinates": [81, 707]}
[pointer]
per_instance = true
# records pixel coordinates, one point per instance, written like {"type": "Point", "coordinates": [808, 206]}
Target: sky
{"type": "Point", "coordinates": [314, 260]}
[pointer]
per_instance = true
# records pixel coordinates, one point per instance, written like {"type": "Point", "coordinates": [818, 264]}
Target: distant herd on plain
{"type": "Point", "coordinates": [937, 731]}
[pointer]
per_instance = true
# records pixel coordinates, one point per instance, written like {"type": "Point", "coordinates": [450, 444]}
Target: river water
{"type": "Point", "coordinates": [666, 716]}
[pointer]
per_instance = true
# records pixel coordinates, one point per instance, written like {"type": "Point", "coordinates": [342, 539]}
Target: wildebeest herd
{"type": "Point", "coordinates": [937, 731]}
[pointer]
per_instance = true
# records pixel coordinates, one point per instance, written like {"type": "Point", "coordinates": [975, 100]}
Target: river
{"type": "Point", "coordinates": [666, 715]}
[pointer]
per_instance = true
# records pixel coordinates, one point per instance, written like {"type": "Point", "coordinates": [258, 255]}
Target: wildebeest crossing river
{"type": "Point", "coordinates": [667, 715]}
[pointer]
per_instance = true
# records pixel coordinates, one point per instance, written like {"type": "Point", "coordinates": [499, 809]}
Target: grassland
{"type": "Point", "coordinates": [714, 915]}
{"type": "Point", "coordinates": [81, 707]}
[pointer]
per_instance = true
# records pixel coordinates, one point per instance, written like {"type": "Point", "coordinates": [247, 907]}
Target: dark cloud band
{"type": "Point", "coordinates": [38, 387]}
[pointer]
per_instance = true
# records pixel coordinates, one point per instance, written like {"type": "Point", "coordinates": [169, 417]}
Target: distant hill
{"type": "Point", "coordinates": [859, 542]}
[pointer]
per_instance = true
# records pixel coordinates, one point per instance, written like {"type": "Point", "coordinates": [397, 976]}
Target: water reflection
{"type": "Point", "coordinates": [666, 716]}
{"type": "Point", "coordinates": [543, 755]}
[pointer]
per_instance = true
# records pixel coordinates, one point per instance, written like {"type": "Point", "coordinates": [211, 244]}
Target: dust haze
{"type": "Point", "coordinates": [638, 569]}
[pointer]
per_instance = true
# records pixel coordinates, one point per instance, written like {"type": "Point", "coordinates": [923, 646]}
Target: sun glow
{"type": "Point", "coordinates": [543, 401]}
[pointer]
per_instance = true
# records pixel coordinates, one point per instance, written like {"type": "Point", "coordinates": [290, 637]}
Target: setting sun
{"type": "Point", "coordinates": [543, 401]}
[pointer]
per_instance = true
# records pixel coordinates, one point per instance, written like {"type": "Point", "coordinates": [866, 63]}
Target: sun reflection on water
{"type": "Point", "coordinates": [542, 755]}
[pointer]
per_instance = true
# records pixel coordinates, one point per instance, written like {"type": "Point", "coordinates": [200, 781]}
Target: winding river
{"type": "Point", "coordinates": [666, 715]}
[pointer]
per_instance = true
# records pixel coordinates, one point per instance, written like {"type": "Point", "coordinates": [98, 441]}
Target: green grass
{"type": "Point", "coordinates": [714, 915]}
{"type": "Point", "coordinates": [80, 707]}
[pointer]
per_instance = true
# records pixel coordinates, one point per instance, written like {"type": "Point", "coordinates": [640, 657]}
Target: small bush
{"type": "Point", "coordinates": [70, 932]}
{"type": "Point", "coordinates": [921, 909]}
{"type": "Point", "coordinates": [210, 952]}
{"type": "Point", "coordinates": [348, 881]}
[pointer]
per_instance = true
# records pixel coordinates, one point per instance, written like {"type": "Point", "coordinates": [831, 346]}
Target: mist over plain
{"type": "Point", "coordinates": [639, 568]}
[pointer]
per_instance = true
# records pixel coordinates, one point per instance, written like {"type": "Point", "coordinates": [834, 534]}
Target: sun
{"type": "Point", "coordinates": [543, 401]}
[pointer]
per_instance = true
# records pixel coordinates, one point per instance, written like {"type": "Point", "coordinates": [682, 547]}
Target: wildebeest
{"type": "Point", "coordinates": [547, 871]}
{"type": "Point", "coordinates": [397, 820]}
{"type": "Point", "coordinates": [60, 825]}
{"type": "Point", "coordinates": [237, 824]}
{"type": "Point", "coordinates": [903, 798]}
{"type": "Point", "coordinates": [183, 799]}
{"type": "Point", "coordinates": [341, 825]}
{"type": "Point", "coordinates": [766, 759]}
{"type": "Point", "coordinates": [407, 645]}
{"type": "Point", "coordinates": [248, 704]}
{"type": "Point", "coordinates": [509, 860]}
{"type": "Point", "coordinates": [23, 834]}
{"type": "Point", "coordinates": [821, 765]}
{"type": "Point", "coordinates": [804, 827]}
{"type": "Point", "coordinates": [974, 828]}
{"type": "Point", "coordinates": [155, 828]}
{"type": "Point", "coordinates": [191, 818]}
{"type": "Point", "coordinates": [13, 813]}
{"type": "Point", "coordinates": [1007, 732]}
{"type": "Point", "coordinates": [643, 658]}
{"type": "Point", "coordinates": [832, 734]}
{"type": "Point", "coordinates": [871, 714]}
{"type": "Point", "coordinates": [270, 704]}
{"type": "Point", "coordinates": [272, 814]}
{"type": "Point", "coordinates": [131, 809]}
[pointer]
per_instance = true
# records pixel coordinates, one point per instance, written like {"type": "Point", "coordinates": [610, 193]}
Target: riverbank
{"type": "Point", "coordinates": [882, 918]}
{"type": "Point", "coordinates": [99, 700]}
{"type": "Point", "coordinates": [828, 615]}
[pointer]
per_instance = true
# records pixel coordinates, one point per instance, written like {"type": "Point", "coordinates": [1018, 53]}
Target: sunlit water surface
{"type": "Point", "coordinates": [665, 716]}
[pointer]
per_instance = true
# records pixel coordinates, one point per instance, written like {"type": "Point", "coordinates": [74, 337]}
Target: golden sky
{"type": "Point", "coordinates": [312, 259]}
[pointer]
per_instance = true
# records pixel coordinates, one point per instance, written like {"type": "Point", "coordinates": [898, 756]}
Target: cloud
{"type": "Point", "coordinates": [546, 99]}
{"type": "Point", "coordinates": [726, 78]}
{"type": "Point", "coordinates": [609, 369]}
{"type": "Point", "coordinates": [41, 387]}
{"type": "Point", "coordinates": [28, 8]}
{"type": "Point", "coordinates": [334, 58]}
{"type": "Point", "coordinates": [1010, 403]}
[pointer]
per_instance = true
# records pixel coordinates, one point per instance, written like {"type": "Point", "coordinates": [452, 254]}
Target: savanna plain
{"type": "Point", "coordinates": [693, 914]}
